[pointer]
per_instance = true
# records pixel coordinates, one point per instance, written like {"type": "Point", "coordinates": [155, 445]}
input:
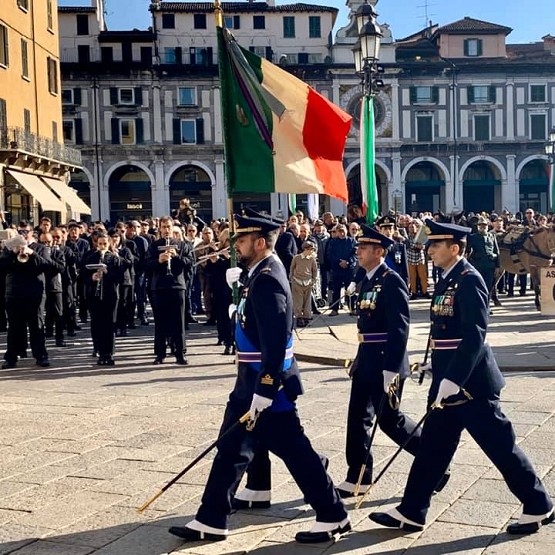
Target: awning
{"type": "Point", "coordinates": [68, 195]}
{"type": "Point", "coordinates": [38, 190]}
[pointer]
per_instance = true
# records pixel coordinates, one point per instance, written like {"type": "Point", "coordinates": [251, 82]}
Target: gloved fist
{"type": "Point", "coordinates": [258, 404]}
{"type": "Point", "coordinates": [232, 275]}
{"type": "Point", "coordinates": [231, 310]}
{"type": "Point", "coordinates": [388, 378]}
{"type": "Point", "coordinates": [447, 388]}
{"type": "Point", "coordinates": [351, 288]}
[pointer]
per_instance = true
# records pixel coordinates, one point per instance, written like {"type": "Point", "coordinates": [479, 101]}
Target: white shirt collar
{"type": "Point", "coordinates": [251, 270]}
{"type": "Point", "coordinates": [448, 270]}
{"type": "Point", "coordinates": [370, 274]}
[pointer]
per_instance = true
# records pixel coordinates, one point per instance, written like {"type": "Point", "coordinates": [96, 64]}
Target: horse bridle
{"type": "Point", "coordinates": [536, 252]}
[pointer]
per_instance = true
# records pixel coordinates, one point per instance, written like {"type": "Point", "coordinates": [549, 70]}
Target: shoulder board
{"type": "Point", "coordinates": [265, 270]}
{"type": "Point", "coordinates": [465, 271]}
{"type": "Point", "coordinates": [388, 271]}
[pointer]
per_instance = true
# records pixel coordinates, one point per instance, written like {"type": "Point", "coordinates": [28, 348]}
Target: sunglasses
{"type": "Point", "coordinates": [23, 231]}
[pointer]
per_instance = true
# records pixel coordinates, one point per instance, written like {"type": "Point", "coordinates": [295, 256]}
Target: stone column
{"type": "Point", "coordinates": [160, 190]}
{"type": "Point", "coordinates": [219, 193]}
{"type": "Point", "coordinates": [510, 189]}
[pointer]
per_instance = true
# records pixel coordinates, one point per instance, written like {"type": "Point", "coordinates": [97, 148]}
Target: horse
{"type": "Point", "coordinates": [524, 250]}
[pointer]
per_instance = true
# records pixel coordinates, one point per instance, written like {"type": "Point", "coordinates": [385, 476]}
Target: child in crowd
{"type": "Point", "coordinates": [303, 274]}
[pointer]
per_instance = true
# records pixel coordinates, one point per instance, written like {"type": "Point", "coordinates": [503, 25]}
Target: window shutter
{"type": "Point", "coordinates": [251, 48]}
{"type": "Point", "coordinates": [192, 52]}
{"type": "Point", "coordinates": [178, 55]}
{"type": "Point", "coordinates": [78, 131]}
{"type": "Point", "coordinates": [269, 53]}
{"type": "Point", "coordinates": [470, 93]}
{"type": "Point", "coordinates": [115, 131]}
{"type": "Point", "coordinates": [139, 130]}
{"type": "Point", "coordinates": [303, 58]}
{"type": "Point", "coordinates": [435, 95]}
{"type": "Point", "coordinates": [176, 131]}
{"type": "Point", "coordinates": [465, 47]}
{"type": "Point", "coordinates": [479, 44]}
{"type": "Point", "coordinates": [236, 22]}
{"type": "Point", "coordinates": [200, 131]}
{"type": "Point", "coordinates": [113, 95]}
{"type": "Point", "coordinates": [209, 56]}
{"type": "Point", "coordinates": [138, 96]}
{"type": "Point", "coordinates": [412, 94]}
{"type": "Point", "coordinates": [77, 97]}
{"type": "Point", "coordinates": [492, 96]}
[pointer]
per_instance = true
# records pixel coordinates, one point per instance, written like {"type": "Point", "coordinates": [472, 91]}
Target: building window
{"type": "Point", "coordinates": [199, 21]}
{"type": "Point", "coordinates": [83, 53]}
{"type": "Point", "coordinates": [106, 54]}
{"type": "Point", "coordinates": [538, 127]}
{"type": "Point", "coordinates": [473, 47]}
{"type": "Point", "coordinates": [259, 22]}
{"type": "Point", "coordinates": [27, 120]}
{"type": "Point", "coordinates": [481, 128]}
{"type": "Point", "coordinates": [314, 30]}
{"type": "Point", "coordinates": [187, 96]}
{"type": "Point", "coordinates": [315, 58]}
{"type": "Point", "coordinates": [52, 75]}
{"type": "Point", "coordinates": [23, 4]}
{"type": "Point", "coordinates": [3, 122]}
{"type": "Point", "coordinates": [127, 131]}
{"type": "Point", "coordinates": [4, 50]}
{"type": "Point", "coordinates": [82, 24]}
{"type": "Point", "coordinates": [424, 95]}
{"type": "Point", "coordinates": [188, 131]}
{"type": "Point", "coordinates": [481, 94]}
{"type": "Point", "coordinates": [200, 56]}
{"type": "Point", "coordinates": [232, 21]}
{"type": "Point", "coordinates": [24, 59]}
{"type": "Point", "coordinates": [537, 93]}
{"type": "Point", "coordinates": [49, 16]}
{"type": "Point", "coordinates": [126, 96]}
{"type": "Point", "coordinates": [168, 21]}
{"type": "Point", "coordinates": [67, 96]}
{"type": "Point", "coordinates": [424, 128]}
{"type": "Point", "coordinates": [68, 129]}
{"type": "Point", "coordinates": [288, 27]}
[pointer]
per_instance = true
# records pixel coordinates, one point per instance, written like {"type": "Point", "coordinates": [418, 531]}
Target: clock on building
{"type": "Point", "coordinates": [350, 101]}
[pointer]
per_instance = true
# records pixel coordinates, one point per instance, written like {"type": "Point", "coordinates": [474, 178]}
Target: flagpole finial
{"type": "Point", "coordinates": [218, 13]}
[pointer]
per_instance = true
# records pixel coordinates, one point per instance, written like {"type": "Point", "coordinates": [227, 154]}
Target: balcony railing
{"type": "Point", "coordinates": [17, 139]}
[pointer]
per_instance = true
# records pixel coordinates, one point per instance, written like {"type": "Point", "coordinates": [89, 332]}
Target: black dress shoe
{"type": "Point", "coordinates": [6, 365]}
{"type": "Point", "coordinates": [182, 361]}
{"type": "Point", "coordinates": [524, 529]}
{"type": "Point", "coordinates": [43, 362]}
{"type": "Point", "coordinates": [159, 360]}
{"type": "Point", "coordinates": [94, 354]}
{"type": "Point", "coordinates": [195, 535]}
{"type": "Point", "coordinates": [191, 321]}
{"type": "Point", "coordinates": [209, 323]}
{"type": "Point", "coordinates": [78, 328]}
{"type": "Point", "coordinates": [144, 322]}
{"type": "Point", "coordinates": [227, 351]}
{"type": "Point", "coordinates": [443, 482]}
{"type": "Point", "coordinates": [71, 334]}
{"type": "Point", "coordinates": [22, 354]}
{"type": "Point", "coordinates": [321, 537]}
{"type": "Point", "coordinates": [242, 504]}
{"type": "Point", "coordinates": [132, 326]}
{"type": "Point", "coordinates": [100, 362]}
{"type": "Point", "coordinates": [61, 343]}
{"type": "Point", "coordinates": [109, 361]}
{"type": "Point", "coordinates": [385, 519]}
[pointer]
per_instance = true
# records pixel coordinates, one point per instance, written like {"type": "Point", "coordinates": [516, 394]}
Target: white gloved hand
{"type": "Point", "coordinates": [232, 275]}
{"type": "Point", "coordinates": [258, 404]}
{"type": "Point", "coordinates": [351, 288]}
{"type": "Point", "coordinates": [424, 367]}
{"type": "Point", "coordinates": [388, 378]}
{"type": "Point", "coordinates": [447, 388]}
{"type": "Point", "coordinates": [231, 310]}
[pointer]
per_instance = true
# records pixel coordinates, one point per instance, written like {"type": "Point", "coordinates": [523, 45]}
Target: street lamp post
{"type": "Point", "coordinates": [550, 151]}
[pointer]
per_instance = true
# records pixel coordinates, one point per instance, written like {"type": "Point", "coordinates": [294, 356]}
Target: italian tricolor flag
{"type": "Point", "coordinates": [280, 134]}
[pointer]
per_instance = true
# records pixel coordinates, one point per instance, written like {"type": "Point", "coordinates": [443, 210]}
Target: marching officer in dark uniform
{"type": "Point", "coordinates": [268, 383]}
{"type": "Point", "coordinates": [396, 253]}
{"type": "Point", "coordinates": [169, 263]}
{"type": "Point", "coordinates": [381, 364]}
{"type": "Point", "coordinates": [466, 385]}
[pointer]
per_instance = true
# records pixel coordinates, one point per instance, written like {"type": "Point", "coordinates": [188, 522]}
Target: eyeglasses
{"type": "Point", "coordinates": [23, 231]}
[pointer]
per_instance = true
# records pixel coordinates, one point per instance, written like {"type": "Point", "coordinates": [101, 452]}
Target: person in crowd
{"type": "Point", "coordinates": [102, 271]}
{"type": "Point", "coordinates": [80, 247]}
{"type": "Point", "coordinates": [354, 230]}
{"type": "Point", "coordinates": [466, 385]}
{"type": "Point", "coordinates": [302, 274]}
{"type": "Point", "coordinates": [146, 232]}
{"type": "Point", "coordinates": [207, 245]}
{"type": "Point", "coordinates": [126, 304]}
{"type": "Point", "coordinates": [321, 237]}
{"type": "Point", "coordinates": [24, 262]}
{"type": "Point", "coordinates": [194, 290]}
{"type": "Point", "coordinates": [132, 233]}
{"type": "Point", "coordinates": [483, 252]}
{"type": "Point", "coordinates": [286, 246]}
{"type": "Point", "coordinates": [268, 395]}
{"type": "Point", "coordinates": [396, 255]}
{"type": "Point", "coordinates": [170, 263]}
{"type": "Point", "coordinates": [341, 261]}
{"type": "Point", "coordinates": [416, 258]}
{"type": "Point", "coordinates": [54, 305]}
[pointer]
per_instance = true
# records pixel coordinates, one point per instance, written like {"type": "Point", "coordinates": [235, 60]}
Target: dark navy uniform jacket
{"type": "Point", "coordinates": [383, 308]}
{"type": "Point", "coordinates": [396, 259]}
{"type": "Point", "coordinates": [459, 311]}
{"type": "Point", "coordinates": [265, 327]}
{"type": "Point", "coordinates": [181, 265]}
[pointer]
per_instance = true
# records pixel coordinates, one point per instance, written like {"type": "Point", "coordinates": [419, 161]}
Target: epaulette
{"type": "Point", "coordinates": [265, 270]}
{"type": "Point", "coordinates": [465, 271]}
{"type": "Point", "coordinates": [388, 271]}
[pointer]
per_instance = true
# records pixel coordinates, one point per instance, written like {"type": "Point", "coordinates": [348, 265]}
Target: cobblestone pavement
{"type": "Point", "coordinates": [82, 446]}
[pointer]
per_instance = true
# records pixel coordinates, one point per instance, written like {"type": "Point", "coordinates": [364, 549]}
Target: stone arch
{"type": "Point", "coordinates": [117, 165]}
{"type": "Point", "coordinates": [415, 161]}
{"type": "Point", "coordinates": [526, 161]}
{"type": "Point", "coordinates": [482, 178]}
{"type": "Point", "coordinates": [424, 191]}
{"type": "Point", "coordinates": [532, 177]}
{"type": "Point", "coordinates": [493, 161]}
{"type": "Point", "coordinates": [171, 171]}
